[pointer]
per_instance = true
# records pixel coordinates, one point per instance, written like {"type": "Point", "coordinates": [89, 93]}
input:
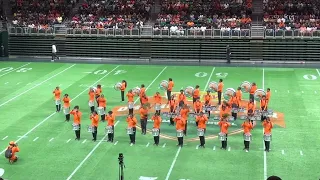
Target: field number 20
{"type": "Point", "coordinates": [7, 69]}
{"type": "Point", "coordinates": [310, 77]}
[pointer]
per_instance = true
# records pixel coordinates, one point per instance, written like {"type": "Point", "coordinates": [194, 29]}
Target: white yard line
{"type": "Point", "coordinates": [44, 120]}
{"type": "Point", "coordinates": [164, 145]}
{"type": "Point", "coordinates": [15, 69]}
{"type": "Point", "coordinates": [4, 103]}
{"type": "Point", "coordinates": [148, 145]}
{"type": "Point", "coordinates": [92, 151]}
{"type": "Point", "coordinates": [318, 71]}
{"type": "Point", "coordinates": [265, 172]}
{"type": "Point", "coordinates": [229, 148]}
{"type": "Point", "coordinates": [197, 147]}
{"type": "Point", "coordinates": [84, 141]}
{"type": "Point", "coordinates": [36, 138]}
{"type": "Point", "coordinates": [282, 152]}
{"type": "Point", "coordinates": [68, 140]}
{"type": "Point", "coordinates": [214, 148]}
{"type": "Point", "coordinates": [301, 153]}
{"type": "Point", "coordinates": [5, 138]}
{"type": "Point", "coordinates": [178, 151]}
{"type": "Point", "coordinates": [115, 143]}
{"type": "Point", "coordinates": [51, 139]}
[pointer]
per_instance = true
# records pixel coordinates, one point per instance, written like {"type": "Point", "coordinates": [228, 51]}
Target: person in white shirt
{"type": "Point", "coordinates": [54, 52]}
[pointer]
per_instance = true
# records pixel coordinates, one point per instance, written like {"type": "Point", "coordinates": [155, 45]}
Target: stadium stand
{"type": "Point", "coordinates": [204, 14]}
{"type": "Point", "coordinates": [301, 15]}
{"type": "Point", "coordinates": [113, 14]}
{"type": "Point", "coordinates": [40, 13]}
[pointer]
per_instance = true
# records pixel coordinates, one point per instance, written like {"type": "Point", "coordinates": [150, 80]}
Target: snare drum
{"type": "Point", "coordinates": [129, 131]}
{"type": "Point", "coordinates": [91, 103]}
{"type": "Point", "coordinates": [101, 111]}
{"type": "Point", "coordinates": [247, 137]}
{"type": "Point", "coordinates": [267, 137]}
{"type": "Point", "coordinates": [109, 130]}
{"type": "Point", "coordinates": [235, 110]}
{"type": "Point", "coordinates": [192, 115]}
{"type": "Point", "coordinates": [179, 133]}
{"type": "Point", "coordinates": [200, 132]}
{"type": "Point", "coordinates": [58, 102]}
{"type": "Point", "coordinates": [130, 105]}
{"type": "Point", "coordinates": [270, 113]}
{"type": "Point", "coordinates": [222, 136]}
{"type": "Point", "coordinates": [158, 107]}
{"type": "Point", "coordinates": [208, 108]}
{"type": "Point", "coordinates": [155, 132]}
{"type": "Point", "coordinates": [66, 110]}
{"type": "Point", "coordinates": [243, 117]}
{"type": "Point", "coordinates": [90, 129]}
{"type": "Point", "coordinates": [75, 127]}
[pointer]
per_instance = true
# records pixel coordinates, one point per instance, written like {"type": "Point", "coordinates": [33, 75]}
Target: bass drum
{"type": "Point", "coordinates": [136, 91]}
{"type": "Point", "coordinates": [245, 86]}
{"type": "Point", "coordinates": [189, 91]}
{"type": "Point", "coordinates": [213, 86]}
{"type": "Point", "coordinates": [229, 93]}
{"type": "Point", "coordinates": [258, 94]}
{"type": "Point", "coordinates": [117, 86]}
{"type": "Point", "coordinates": [164, 85]}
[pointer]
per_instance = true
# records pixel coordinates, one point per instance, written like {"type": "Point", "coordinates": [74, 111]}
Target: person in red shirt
{"type": "Point", "coordinates": [142, 93]}
{"type": "Point", "coordinates": [102, 105]}
{"type": "Point", "coordinates": [123, 87]}
{"type": "Point", "coordinates": [267, 125]}
{"type": "Point", "coordinates": [98, 92]}
{"type": "Point", "coordinates": [110, 123]}
{"type": "Point", "coordinates": [224, 125]}
{"type": "Point", "coordinates": [235, 103]}
{"type": "Point", "coordinates": [196, 94]}
{"type": "Point", "coordinates": [157, 99]}
{"type": "Point", "coordinates": [130, 97]}
{"type": "Point", "coordinates": [77, 120]}
{"type": "Point", "coordinates": [14, 149]}
{"type": "Point", "coordinates": [173, 106]}
{"type": "Point", "coordinates": [132, 123]}
{"type": "Point", "coordinates": [247, 127]}
{"type": "Point", "coordinates": [91, 94]}
{"type": "Point", "coordinates": [220, 89]}
{"type": "Point", "coordinates": [180, 127]}
{"type": "Point", "coordinates": [66, 106]}
{"type": "Point", "coordinates": [57, 98]}
{"type": "Point", "coordinates": [143, 119]}
{"type": "Point", "coordinates": [94, 117]}
{"type": "Point", "coordinates": [182, 99]}
{"type": "Point", "coordinates": [207, 103]}
{"type": "Point", "coordinates": [170, 87]}
{"type": "Point", "coordinates": [252, 91]}
{"type": "Point", "coordinates": [201, 121]}
{"type": "Point", "coordinates": [156, 125]}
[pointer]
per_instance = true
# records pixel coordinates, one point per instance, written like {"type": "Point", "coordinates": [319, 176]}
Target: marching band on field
{"type": "Point", "coordinates": [179, 111]}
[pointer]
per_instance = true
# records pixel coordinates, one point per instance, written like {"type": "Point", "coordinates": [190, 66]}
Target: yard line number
{"type": "Point", "coordinates": [201, 74]}
{"type": "Point", "coordinates": [101, 72]}
{"type": "Point", "coordinates": [6, 69]}
{"type": "Point", "coordinates": [310, 77]}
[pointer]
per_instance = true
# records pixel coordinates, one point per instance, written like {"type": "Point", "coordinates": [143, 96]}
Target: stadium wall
{"type": "Point", "coordinates": [4, 42]}
{"type": "Point", "coordinates": [168, 49]}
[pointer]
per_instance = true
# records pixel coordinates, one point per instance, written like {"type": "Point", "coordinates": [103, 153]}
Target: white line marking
{"type": "Point", "coordinates": [318, 72]}
{"type": "Point", "coordinates": [131, 144]}
{"type": "Point", "coordinates": [148, 145]}
{"type": "Point", "coordinates": [5, 138]}
{"type": "Point", "coordinates": [178, 151]}
{"type": "Point", "coordinates": [6, 83]}
{"type": "Point", "coordinates": [87, 157]}
{"type": "Point", "coordinates": [164, 145]}
{"type": "Point", "coordinates": [91, 152]}
{"type": "Point", "coordinates": [282, 151]}
{"type": "Point", "coordinates": [87, 72]}
{"type": "Point", "coordinates": [301, 153]}
{"type": "Point", "coordinates": [315, 92]}
{"type": "Point", "coordinates": [275, 90]}
{"type": "Point", "coordinates": [116, 143]}
{"type": "Point", "coordinates": [84, 141]}
{"type": "Point", "coordinates": [15, 69]}
{"type": "Point", "coordinates": [18, 83]}
{"type": "Point", "coordinates": [35, 86]}
{"type": "Point", "coordinates": [302, 91]}
{"type": "Point", "coordinates": [68, 140]}
{"type": "Point", "coordinates": [36, 138]}
{"type": "Point", "coordinates": [288, 91]}
{"type": "Point", "coordinates": [214, 148]}
{"type": "Point", "coordinates": [28, 83]}
{"type": "Point", "coordinates": [51, 139]}
{"type": "Point", "coordinates": [173, 163]}
{"type": "Point", "coordinates": [264, 152]}
{"type": "Point", "coordinates": [197, 147]}
{"type": "Point", "coordinates": [55, 112]}
{"type": "Point", "coordinates": [22, 136]}
{"type": "Point", "coordinates": [229, 148]}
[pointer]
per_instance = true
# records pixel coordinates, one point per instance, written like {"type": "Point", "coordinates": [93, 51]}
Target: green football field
{"type": "Point", "coordinates": [49, 151]}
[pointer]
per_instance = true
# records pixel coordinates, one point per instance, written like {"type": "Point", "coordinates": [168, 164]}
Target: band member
{"type": "Point", "coordinates": [57, 98]}
{"type": "Point", "coordinates": [170, 87]}
{"type": "Point", "coordinates": [267, 125]}
{"type": "Point", "coordinates": [201, 121]}
{"type": "Point", "coordinates": [11, 152]}
{"type": "Point", "coordinates": [224, 109]}
{"type": "Point", "coordinates": [184, 112]}
{"type": "Point", "coordinates": [173, 106]}
{"type": "Point", "coordinates": [94, 117]}
{"type": "Point", "coordinates": [142, 93]}
{"type": "Point", "coordinates": [224, 125]}
{"type": "Point", "coordinates": [220, 89]}
{"type": "Point", "coordinates": [263, 106]}
{"type": "Point", "coordinates": [251, 107]}
{"type": "Point", "coordinates": [91, 99]}
{"type": "Point", "coordinates": [196, 93]}
{"type": "Point", "coordinates": [77, 120]}
{"type": "Point", "coordinates": [132, 122]}
{"type": "Point", "coordinates": [239, 94]}
{"type": "Point", "coordinates": [98, 92]}
{"type": "Point", "coordinates": [252, 90]}
{"type": "Point", "coordinates": [182, 99]}
{"type": "Point", "coordinates": [268, 95]}
{"type": "Point", "coordinates": [235, 103]}
{"type": "Point", "coordinates": [247, 127]}
{"type": "Point", "coordinates": [102, 103]}
{"type": "Point", "coordinates": [130, 97]}
{"type": "Point", "coordinates": [123, 87]}
{"type": "Point", "coordinates": [180, 126]}
{"type": "Point", "coordinates": [144, 99]}
{"type": "Point", "coordinates": [197, 108]}
{"type": "Point", "coordinates": [66, 106]}
{"type": "Point", "coordinates": [156, 125]}
{"type": "Point", "coordinates": [157, 99]}
{"type": "Point", "coordinates": [143, 119]}
{"type": "Point", "coordinates": [110, 119]}
{"type": "Point", "coordinates": [207, 102]}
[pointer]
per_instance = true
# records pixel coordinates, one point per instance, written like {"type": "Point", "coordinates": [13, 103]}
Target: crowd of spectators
{"type": "Point", "coordinates": [2, 16]}
{"type": "Point", "coordinates": [204, 14]}
{"type": "Point", "coordinates": [302, 15]}
{"type": "Point", "coordinates": [40, 13]}
{"type": "Point", "coordinates": [102, 14]}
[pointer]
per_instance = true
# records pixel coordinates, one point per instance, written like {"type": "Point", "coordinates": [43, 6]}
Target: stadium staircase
{"type": "Point", "coordinates": [257, 29]}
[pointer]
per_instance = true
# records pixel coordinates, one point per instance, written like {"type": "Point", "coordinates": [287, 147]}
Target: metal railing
{"type": "Point", "coordinates": [186, 33]}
